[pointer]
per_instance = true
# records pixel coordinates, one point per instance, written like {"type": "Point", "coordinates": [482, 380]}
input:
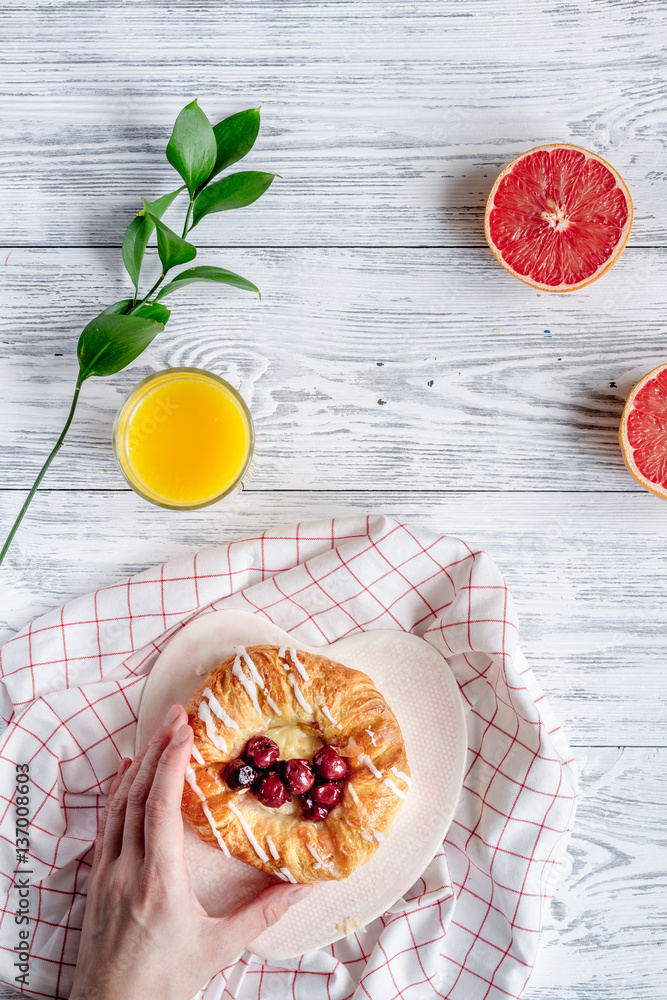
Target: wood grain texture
{"type": "Point", "coordinates": [418, 369]}
{"type": "Point", "coordinates": [388, 123]}
{"type": "Point", "coordinates": [392, 365]}
{"type": "Point", "coordinates": [591, 602]}
{"type": "Point", "coordinates": [605, 935]}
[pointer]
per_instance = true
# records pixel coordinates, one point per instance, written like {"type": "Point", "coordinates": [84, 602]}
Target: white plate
{"type": "Point", "coordinates": [423, 694]}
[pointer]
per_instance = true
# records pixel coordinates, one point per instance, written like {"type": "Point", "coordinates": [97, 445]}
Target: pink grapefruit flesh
{"type": "Point", "coordinates": [643, 431]}
{"type": "Point", "coordinates": [558, 217]}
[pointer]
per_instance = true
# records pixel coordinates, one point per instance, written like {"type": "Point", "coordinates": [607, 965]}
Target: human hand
{"type": "Point", "coordinates": [144, 932]}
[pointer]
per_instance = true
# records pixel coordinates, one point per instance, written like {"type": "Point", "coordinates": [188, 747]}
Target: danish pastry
{"type": "Point", "coordinates": [298, 765]}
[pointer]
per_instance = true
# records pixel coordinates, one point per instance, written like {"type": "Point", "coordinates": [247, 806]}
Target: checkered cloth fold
{"type": "Point", "coordinates": [73, 679]}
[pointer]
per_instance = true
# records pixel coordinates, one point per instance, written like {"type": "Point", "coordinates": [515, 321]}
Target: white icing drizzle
{"type": "Point", "coordinates": [321, 863]}
{"type": "Point", "coordinates": [219, 711]}
{"type": "Point", "coordinates": [355, 797]}
{"type": "Point", "coordinates": [190, 778]}
{"type": "Point", "coordinates": [399, 774]}
{"type": "Point", "coordinates": [254, 673]}
{"type": "Point", "coordinates": [365, 836]}
{"type": "Point", "coordinates": [200, 670]}
{"type": "Point", "coordinates": [281, 655]}
{"type": "Point", "coordinates": [216, 832]}
{"type": "Point", "coordinates": [281, 876]}
{"type": "Point", "coordinates": [379, 836]}
{"type": "Point", "coordinates": [363, 759]}
{"type": "Point", "coordinates": [273, 704]}
{"type": "Point", "coordinates": [204, 714]}
{"type": "Point", "coordinates": [372, 736]}
{"type": "Point", "coordinates": [288, 875]}
{"type": "Point", "coordinates": [390, 784]}
{"type": "Point", "coordinates": [272, 847]}
{"type": "Point", "coordinates": [250, 688]}
{"type": "Point", "coordinates": [325, 711]}
{"type": "Point", "coordinates": [299, 697]}
{"type": "Point", "coordinates": [298, 664]}
{"type": "Point", "coordinates": [261, 854]}
{"type": "Point", "coordinates": [197, 756]}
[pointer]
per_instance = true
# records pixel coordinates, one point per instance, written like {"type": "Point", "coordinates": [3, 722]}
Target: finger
{"type": "Point", "coordinates": [115, 784]}
{"type": "Point", "coordinates": [115, 819]}
{"type": "Point", "coordinates": [236, 931]}
{"type": "Point", "coordinates": [133, 830]}
{"type": "Point", "coordinates": [163, 825]}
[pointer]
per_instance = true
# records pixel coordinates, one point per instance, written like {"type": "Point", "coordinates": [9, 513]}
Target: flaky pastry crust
{"type": "Point", "coordinates": [266, 690]}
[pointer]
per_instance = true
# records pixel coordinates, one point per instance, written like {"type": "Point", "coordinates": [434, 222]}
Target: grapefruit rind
{"type": "Point", "coordinates": [626, 448]}
{"type": "Point", "coordinates": [605, 266]}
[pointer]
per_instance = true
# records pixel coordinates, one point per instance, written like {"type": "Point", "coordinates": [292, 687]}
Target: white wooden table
{"type": "Point", "coordinates": [392, 364]}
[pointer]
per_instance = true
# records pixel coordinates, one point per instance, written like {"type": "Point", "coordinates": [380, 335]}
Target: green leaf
{"type": "Point", "coordinates": [172, 249]}
{"type": "Point", "coordinates": [118, 308]}
{"type": "Point", "coordinates": [235, 191]}
{"type": "Point", "coordinates": [192, 149]}
{"type": "Point", "coordinates": [139, 232]}
{"type": "Point", "coordinates": [111, 342]}
{"type": "Point", "coordinates": [208, 273]}
{"type": "Point", "coordinates": [234, 137]}
{"type": "Point", "coordinates": [154, 311]}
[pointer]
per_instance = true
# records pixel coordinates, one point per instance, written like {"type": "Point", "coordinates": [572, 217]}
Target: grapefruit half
{"type": "Point", "coordinates": [558, 217]}
{"type": "Point", "coordinates": [643, 431]}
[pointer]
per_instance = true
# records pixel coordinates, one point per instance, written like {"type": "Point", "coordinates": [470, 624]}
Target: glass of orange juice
{"type": "Point", "coordinates": [183, 438]}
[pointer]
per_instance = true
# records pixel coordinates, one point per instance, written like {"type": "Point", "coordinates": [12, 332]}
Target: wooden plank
{"type": "Point", "coordinates": [388, 124]}
{"type": "Point", "coordinates": [604, 935]}
{"type": "Point", "coordinates": [417, 369]}
{"type": "Point", "coordinates": [590, 598]}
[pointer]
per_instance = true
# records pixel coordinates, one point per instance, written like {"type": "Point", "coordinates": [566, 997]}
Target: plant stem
{"type": "Point", "coordinates": [53, 454]}
{"type": "Point", "coordinates": [139, 304]}
{"type": "Point", "coordinates": [187, 219]}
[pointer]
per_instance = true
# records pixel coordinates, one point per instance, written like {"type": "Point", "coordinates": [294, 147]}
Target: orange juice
{"type": "Point", "coordinates": [183, 438]}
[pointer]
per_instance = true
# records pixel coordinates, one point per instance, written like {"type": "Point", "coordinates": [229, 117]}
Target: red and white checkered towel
{"type": "Point", "coordinates": [469, 927]}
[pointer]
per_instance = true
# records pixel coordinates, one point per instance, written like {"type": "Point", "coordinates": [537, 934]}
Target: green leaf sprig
{"type": "Point", "coordinates": [198, 151]}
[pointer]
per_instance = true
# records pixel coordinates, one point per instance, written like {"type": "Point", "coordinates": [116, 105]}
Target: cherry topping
{"type": "Point", "coordinates": [313, 810]}
{"type": "Point", "coordinates": [261, 751]}
{"type": "Point", "coordinates": [330, 765]}
{"type": "Point", "coordinates": [270, 791]}
{"type": "Point", "coordinates": [298, 776]}
{"type": "Point", "coordinates": [238, 774]}
{"type": "Point", "coordinates": [327, 795]}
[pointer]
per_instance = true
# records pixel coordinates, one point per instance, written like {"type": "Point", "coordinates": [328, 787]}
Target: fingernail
{"type": "Point", "coordinates": [124, 764]}
{"type": "Point", "coordinates": [172, 715]}
{"type": "Point", "coordinates": [296, 895]}
{"type": "Point", "coordinates": [180, 736]}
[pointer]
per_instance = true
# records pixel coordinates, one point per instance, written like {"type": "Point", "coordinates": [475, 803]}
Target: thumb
{"type": "Point", "coordinates": [240, 928]}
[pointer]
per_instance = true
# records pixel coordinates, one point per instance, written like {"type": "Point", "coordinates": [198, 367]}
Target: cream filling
{"type": "Point", "coordinates": [293, 741]}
